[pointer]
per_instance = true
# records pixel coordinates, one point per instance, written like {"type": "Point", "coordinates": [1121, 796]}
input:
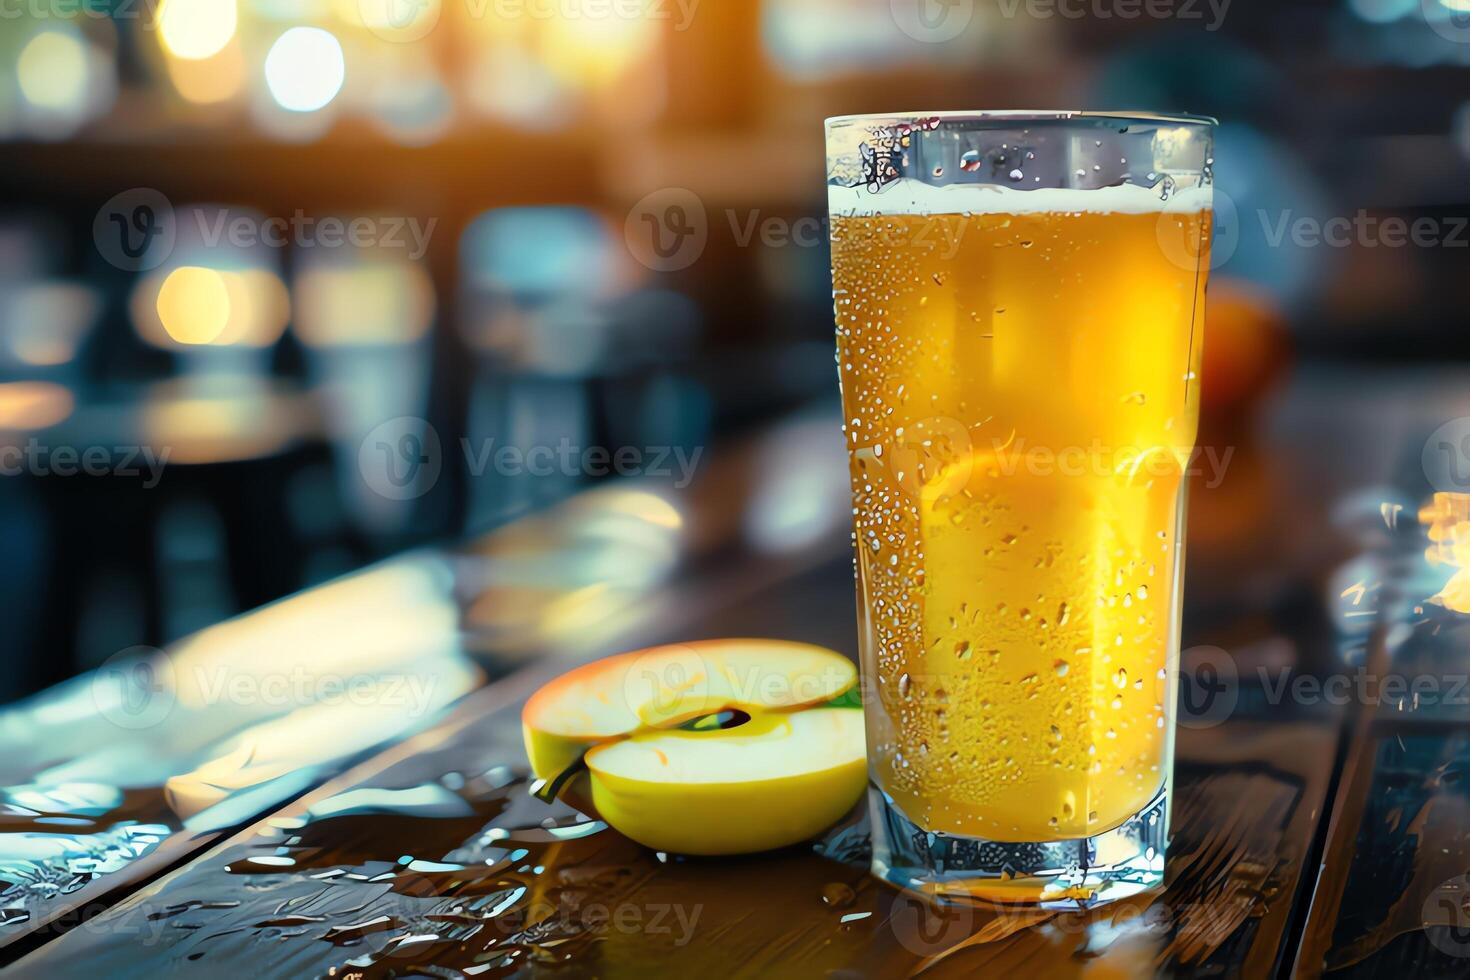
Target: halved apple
{"type": "Point", "coordinates": [704, 748]}
{"type": "Point", "coordinates": [663, 687]}
{"type": "Point", "coordinates": [777, 779]}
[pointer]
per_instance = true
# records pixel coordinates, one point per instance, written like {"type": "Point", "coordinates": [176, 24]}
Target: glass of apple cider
{"type": "Point", "coordinates": [1018, 298]}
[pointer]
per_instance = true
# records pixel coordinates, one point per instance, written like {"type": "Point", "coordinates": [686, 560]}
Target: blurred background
{"type": "Point", "coordinates": [280, 278]}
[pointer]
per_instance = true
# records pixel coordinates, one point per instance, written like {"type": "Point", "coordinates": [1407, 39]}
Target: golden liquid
{"type": "Point", "coordinates": [1021, 404]}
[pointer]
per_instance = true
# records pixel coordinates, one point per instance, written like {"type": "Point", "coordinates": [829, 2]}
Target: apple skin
{"type": "Point", "coordinates": [740, 816]}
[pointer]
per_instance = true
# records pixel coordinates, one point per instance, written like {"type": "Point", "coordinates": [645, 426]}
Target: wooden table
{"type": "Point", "coordinates": [1315, 832]}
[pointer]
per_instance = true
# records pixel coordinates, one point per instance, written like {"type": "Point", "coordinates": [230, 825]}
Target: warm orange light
{"type": "Point", "coordinates": [1447, 519]}
{"type": "Point", "coordinates": [363, 304]}
{"type": "Point", "coordinates": [196, 29]}
{"type": "Point", "coordinates": [212, 428]}
{"type": "Point", "coordinates": [194, 305]}
{"type": "Point", "coordinates": [531, 68]}
{"type": "Point", "coordinates": [591, 51]}
{"type": "Point", "coordinates": [33, 405]}
{"type": "Point", "coordinates": [209, 80]}
{"type": "Point", "coordinates": [259, 308]}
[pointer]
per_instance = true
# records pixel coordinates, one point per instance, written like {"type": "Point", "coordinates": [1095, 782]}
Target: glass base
{"type": "Point", "coordinates": [1064, 874]}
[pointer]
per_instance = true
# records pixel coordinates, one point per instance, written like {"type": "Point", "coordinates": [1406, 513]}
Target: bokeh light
{"type": "Point", "coordinates": [1383, 11]}
{"type": "Point", "coordinates": [34, 405]}
{"type": "Point", "coordinates": [506, 82]}
{"type": "Point", "coordinates": [305, 69]}
{"type": "Point", "coordinates": [540, 251]}
{"type": "Point", "coordinates": [52, 71]}
{"type": "Point", "coordinates": [232, 419]}
{"type": "Point", "coordinates": [260, 307]}
{"type": "Point", "coordinates": [209, 80]}
{"type": "Point", "coordinates": [44, 323]}
{"type": "Point", "coordinates": [413, 107]}
{"type": "Point", "coordinates": [399, 21]}
{"type": "Point", "coordinates": [595, 51]}
{"type": "Point", "coordinates": [197, 305]}
{"type": "Point", "coordinates": [194, 305]}
{"type": "Point", "coordinates": [196, 29]}
{"type": "Point", "coordinates": [366, 303]}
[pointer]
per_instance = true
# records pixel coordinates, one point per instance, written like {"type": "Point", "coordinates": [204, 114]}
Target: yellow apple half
{"type": "Point", "coordinates": [776, 772]}
{"type": "Point", "coordinates": [778, 779]}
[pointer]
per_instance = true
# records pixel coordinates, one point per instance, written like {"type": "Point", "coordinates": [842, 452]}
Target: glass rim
{"type": "Point", "coordinates": [1037, 116]}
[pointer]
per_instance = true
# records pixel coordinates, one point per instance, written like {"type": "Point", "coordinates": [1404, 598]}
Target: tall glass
{"type": "Point", "coordinates": [1018, 298]}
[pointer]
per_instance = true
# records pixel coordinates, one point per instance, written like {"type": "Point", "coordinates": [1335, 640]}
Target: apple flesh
{"type": "Point", "coordinates": [663, 687]}
{"type": "Point", "coordinates": [779, 774]}
{"type": "Point", "coordinates": [779, 779]}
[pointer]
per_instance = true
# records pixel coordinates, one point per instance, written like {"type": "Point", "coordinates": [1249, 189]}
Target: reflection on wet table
{"type": "Point", "coordinates": [1313, 833]}
{"type": "Point", "coordinates": [433, 861]}
{"type": "Point", "coordinates": [111, 777]}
